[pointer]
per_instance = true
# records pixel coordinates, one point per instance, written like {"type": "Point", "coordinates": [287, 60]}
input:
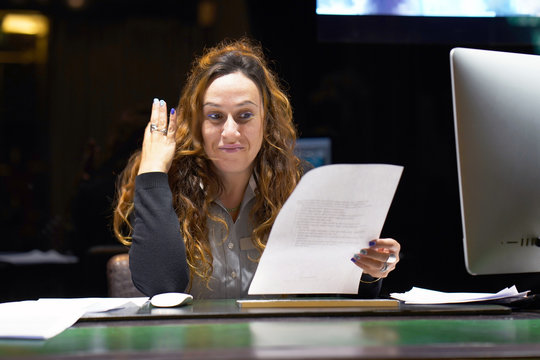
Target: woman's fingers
{"type": "Point", "coordinates": [389, 244]}
{"type": "Point", "coordinates": [173, 125]}
{"type": "Point", "coordinates": [159, 140]}
{"type": "Point", "coordinates": [162, 117]}
{"type": "Point", "coordinates": [154, 117]}
{"type": "Point", "coordinates": [380, 258]}
{"type": "Point", "coordinates": [158, 118]}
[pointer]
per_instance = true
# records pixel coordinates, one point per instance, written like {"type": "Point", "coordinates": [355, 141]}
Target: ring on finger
{"type": "Point", "coordinates": [384, 267]}
{"type": "Point", "coordinates": [391, 259]}
{"type": "Point", "coordinates": [153, 127]}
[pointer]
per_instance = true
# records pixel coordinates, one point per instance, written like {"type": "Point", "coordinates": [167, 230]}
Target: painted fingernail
{"type": "Point", "coordinates": [172, 111]}
{"type": "Point", "coordinates": [363, 252]}
{"type": "Point", "coordinates": [353, 260]}
{"type": "Point", "coordinates": [161, 102]}
{"type": "Point", "coordinates": [156, 100]}
{"type": "Point", "coordinates": [372, 243]}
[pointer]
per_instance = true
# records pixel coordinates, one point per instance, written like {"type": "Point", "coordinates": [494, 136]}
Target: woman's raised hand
{"type": "Point", "coordinates": [159, 140]}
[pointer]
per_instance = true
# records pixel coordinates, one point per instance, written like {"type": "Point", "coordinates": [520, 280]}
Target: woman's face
{"type": "Point", "coordinates": [232, 126]}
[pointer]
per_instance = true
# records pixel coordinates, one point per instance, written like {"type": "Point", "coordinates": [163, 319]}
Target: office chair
{"type": "Point", "coordinates": [119, 277]}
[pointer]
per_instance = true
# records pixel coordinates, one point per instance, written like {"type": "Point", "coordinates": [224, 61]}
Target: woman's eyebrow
{"type": "Point", "coordinates": [247, 102]}
{"type": "Point", "coordinates": [243, 103]}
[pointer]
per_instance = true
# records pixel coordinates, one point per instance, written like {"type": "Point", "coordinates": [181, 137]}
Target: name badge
{"type": "Point", "coordinates": [246, 244]}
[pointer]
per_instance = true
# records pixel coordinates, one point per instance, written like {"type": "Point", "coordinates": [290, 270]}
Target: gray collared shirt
{"type": "Point", "coordinates": [235, 256]}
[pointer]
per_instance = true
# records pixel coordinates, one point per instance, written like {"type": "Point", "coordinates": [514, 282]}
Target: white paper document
{"type": "Point", "coordinates": [334, 211]}
{"type": "Point", "coordinates": [426, 297]}
{"type": "Point", "coordinates": [44, 318]}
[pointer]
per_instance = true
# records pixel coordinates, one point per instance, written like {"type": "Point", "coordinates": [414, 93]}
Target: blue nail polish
{"type": "Point", "coordinates": [172, 111]}
{"type": "Point", "coordinates": [156, 100]}
{"type": "Point", "coordinates": [363, 252]}
{"type": "Point", "coordinates": [161, 102]}
{"type": "Point", "coordinates": [372, 243]}
{"type": "Point", "coordinates": [353, 260]}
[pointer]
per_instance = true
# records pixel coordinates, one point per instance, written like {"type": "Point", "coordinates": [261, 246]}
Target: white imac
{"type": "Point", "coordinates": [496, 99]}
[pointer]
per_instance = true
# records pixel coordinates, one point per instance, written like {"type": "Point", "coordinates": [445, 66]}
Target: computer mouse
{"type": "Point", "coordinates": [171, 299]}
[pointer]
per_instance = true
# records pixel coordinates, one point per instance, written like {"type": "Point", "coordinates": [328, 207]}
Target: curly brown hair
{"type": "Point", "coordinates": [276, 169]}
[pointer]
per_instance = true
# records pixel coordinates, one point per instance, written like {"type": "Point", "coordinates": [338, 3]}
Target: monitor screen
{"type": "Point", "coordinates": [317, 151]}
{"type": "Point", "coordinates": [497, 128]}
{"type": "Point", "coordinates": [429, 21]}
{"type": "Point", "coordinates": [454, 8]}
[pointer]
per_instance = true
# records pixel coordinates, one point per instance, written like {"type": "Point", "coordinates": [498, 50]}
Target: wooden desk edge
{"type": "Point", "coordinates": [324, 303]}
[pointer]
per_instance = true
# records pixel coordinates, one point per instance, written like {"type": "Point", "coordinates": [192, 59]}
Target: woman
{"type": "Point", "coordinates": [197, 203]}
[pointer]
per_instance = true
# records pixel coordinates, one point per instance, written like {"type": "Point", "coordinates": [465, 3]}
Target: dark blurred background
{"type": "Point", "coordinates": [75, 97]}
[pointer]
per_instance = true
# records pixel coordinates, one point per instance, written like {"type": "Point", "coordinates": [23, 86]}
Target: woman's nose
{"type": "Point", "coordinates": [230, 127]}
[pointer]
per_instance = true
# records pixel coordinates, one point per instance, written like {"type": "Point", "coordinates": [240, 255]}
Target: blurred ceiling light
{"type": "Point", "coordinates": [76, 4]}
{"type": "Point", "coordinates": [28, 24]}
{"type": "Point", "coordinates": [206, 16]}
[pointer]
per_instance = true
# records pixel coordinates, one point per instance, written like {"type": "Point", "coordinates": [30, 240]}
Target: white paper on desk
{"type": "Point", "coordinates": [428, 297]}
{"type": "Point", "coordinates": [334, 211]}
{"type": "Point", "coordinates": [37, 257]}
{"type": "Point", "coordinates": [44, 318]}
{"type": "Point", "coordinates": [35, 320]}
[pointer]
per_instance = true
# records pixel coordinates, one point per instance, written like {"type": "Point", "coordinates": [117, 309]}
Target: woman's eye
{"type": "Point", "coordinates": [214, 116]}
{"type": "Point", "coordinates": [246, 115]}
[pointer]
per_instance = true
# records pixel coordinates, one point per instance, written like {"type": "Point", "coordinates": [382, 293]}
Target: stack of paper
{"type": "Point", "coordinates": [425, 296]}
{"type": "Point", "coordinates": [44, 318]}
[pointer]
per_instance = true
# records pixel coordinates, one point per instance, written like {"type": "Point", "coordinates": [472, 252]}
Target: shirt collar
{"type": "Point", "coordinates": [248, 194]}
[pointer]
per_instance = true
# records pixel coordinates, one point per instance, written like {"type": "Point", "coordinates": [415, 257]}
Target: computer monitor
{"type": "Point", "coordinates": [317, 151]}
{"type": "Point", "coordinates": [496, 98]}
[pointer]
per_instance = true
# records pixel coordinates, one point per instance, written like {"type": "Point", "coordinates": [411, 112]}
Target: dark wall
{"type": "Point", "coordinates": [379, 103]}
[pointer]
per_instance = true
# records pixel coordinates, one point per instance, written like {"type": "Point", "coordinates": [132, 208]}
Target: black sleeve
{"type": "Point", "coordinates": [157, 257]}
{"type": "Point", "coordinates": [369, 287]}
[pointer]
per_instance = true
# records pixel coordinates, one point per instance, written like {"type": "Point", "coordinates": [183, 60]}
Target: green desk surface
{"type": "Point", "coordinates": [309, 336]}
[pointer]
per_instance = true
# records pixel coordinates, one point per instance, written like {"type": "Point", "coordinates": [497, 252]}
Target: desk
{"type": "Point", "coordinates": [455, 332]}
